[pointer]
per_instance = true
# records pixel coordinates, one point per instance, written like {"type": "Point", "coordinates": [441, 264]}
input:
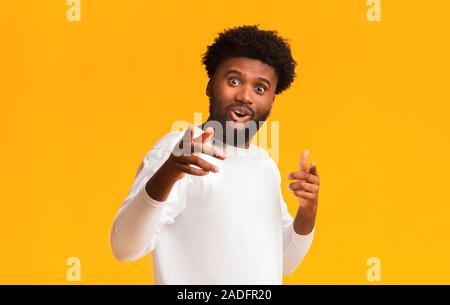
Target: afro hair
{"type": "Point", "coordinates": [249, 41]}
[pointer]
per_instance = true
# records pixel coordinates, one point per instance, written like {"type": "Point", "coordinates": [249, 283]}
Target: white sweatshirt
{"type": "Point", "coordinates": [230, 227]}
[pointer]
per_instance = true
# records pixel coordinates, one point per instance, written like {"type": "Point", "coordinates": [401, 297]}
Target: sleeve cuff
{"type": "Point", "coordinates": [299, 237]}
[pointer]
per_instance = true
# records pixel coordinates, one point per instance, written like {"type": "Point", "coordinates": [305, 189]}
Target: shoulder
{"type": "Point", "coordinates": [168, 141]}
{"type": "Point", "coordinates": [164, 146]}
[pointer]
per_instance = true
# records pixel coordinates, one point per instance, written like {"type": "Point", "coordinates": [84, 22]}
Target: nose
{"type": "Point", "coordinates": [244, 95]}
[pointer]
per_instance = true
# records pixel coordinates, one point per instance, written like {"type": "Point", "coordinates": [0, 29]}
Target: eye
{"type": "Point", "coordinates": [234, 82]}
{"type": "Point", "coordinates": [260, 89]}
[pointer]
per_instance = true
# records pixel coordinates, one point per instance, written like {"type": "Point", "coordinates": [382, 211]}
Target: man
{"type": "Point", "coordinates": [214, 217]}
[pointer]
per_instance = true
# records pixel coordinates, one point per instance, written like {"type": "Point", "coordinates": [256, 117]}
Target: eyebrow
{"type": "Point", "coordinates": [261, 79]}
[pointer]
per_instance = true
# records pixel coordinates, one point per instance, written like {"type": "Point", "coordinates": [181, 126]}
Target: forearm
{"type": "Point", "coordinates": [297, 239]}
{"type": "Point", "coordinates": [135, 227]}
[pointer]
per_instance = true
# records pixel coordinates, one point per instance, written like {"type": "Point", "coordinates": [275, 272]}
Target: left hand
{"type": "Point", "coordinates": [306, 186]}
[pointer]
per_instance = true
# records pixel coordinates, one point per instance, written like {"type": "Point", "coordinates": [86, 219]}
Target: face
{"type": "Point", "coordinates": [241, 92]}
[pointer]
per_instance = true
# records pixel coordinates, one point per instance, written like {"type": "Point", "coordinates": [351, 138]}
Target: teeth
{"type": "Point", "coordinates": [239, 112]}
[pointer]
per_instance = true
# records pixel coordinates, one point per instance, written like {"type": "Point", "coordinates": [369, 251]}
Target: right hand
{"type": "Point", "coordinates": [179, 164]}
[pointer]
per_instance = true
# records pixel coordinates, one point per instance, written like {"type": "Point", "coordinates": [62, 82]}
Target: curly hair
{"type": "Point", "coordinates": [249, 41]}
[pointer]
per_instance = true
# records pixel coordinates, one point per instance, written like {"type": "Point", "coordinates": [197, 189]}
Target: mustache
{"type": "Point", "coordinates": [241, 106]}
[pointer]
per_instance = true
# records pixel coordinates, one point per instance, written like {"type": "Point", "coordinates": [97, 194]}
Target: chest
{"type": "Point", "coordinates": [243, 185]}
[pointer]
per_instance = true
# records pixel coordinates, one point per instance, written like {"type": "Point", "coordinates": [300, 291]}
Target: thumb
{"type": "Point", "coordinates": [209, 132]}
{"type": "Point", "coordinates": [313, 169]}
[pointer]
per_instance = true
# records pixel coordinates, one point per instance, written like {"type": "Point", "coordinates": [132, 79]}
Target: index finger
{"type": "Point", "coordinates": [199, 141]}
{"type": "Point", "coordinates": [304, 161]}
{"type": "Point", "coordinates": [205, 136]}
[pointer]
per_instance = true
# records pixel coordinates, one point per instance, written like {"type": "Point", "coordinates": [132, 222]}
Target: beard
{"type": "Point", "coordinates": [234, 133]}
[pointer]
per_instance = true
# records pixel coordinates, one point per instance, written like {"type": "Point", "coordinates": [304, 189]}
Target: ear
{"type": "Point", "coordinates": [209, 88]}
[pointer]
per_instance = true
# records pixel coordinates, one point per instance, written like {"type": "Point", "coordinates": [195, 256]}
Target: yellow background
{"type": "Point", "coordinates": [82, 102]}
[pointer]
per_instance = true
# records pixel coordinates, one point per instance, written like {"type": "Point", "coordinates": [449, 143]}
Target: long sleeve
{"type": "Point", "coordinates": [140, 218]}
{"type": "Point", "coordinates": [295, 246]}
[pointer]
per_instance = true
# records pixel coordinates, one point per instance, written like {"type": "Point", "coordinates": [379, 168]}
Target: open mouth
{"type": "Point", "coordinates": [240, 115]}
